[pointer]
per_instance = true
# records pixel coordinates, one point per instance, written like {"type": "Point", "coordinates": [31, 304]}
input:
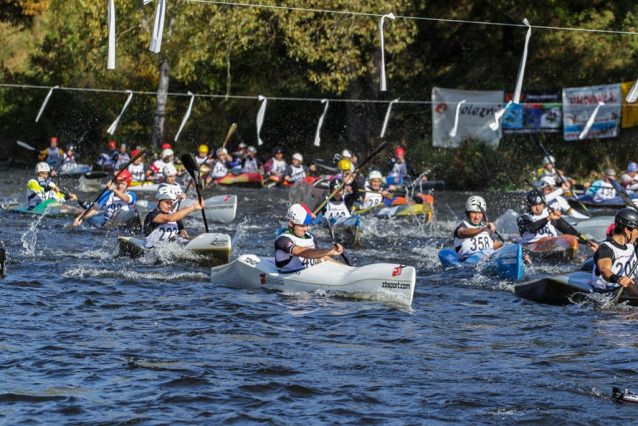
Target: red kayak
{"type": "Point", "coordinates": [243, 179]}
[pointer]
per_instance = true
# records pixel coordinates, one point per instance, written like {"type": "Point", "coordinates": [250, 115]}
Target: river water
{"type": "Point", "coordinates": [89, 338]}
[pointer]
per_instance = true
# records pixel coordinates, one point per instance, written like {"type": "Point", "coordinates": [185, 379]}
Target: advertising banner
{"type": "Point", "coordinates": [537, 112]}
{"type": "Point", "coordinates": [579, 103]}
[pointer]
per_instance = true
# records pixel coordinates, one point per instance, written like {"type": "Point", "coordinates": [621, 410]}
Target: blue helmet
{"type": "Point", "coordinates": [632, 167]}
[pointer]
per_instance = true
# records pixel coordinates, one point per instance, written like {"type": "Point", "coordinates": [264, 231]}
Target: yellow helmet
{"type": "Point", "coordinates": [345, 165]}
{"type": "Point", "coordinates": [203, 148]}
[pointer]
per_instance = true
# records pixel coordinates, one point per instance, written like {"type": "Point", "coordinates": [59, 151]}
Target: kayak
{"type": "Point", "coordinates": [403, 210]}
{"type": "Point", "coordinates": [587, 200]}
{"type": "Point", "coordinates": [620, 396]}
{"type": "Point", "coordinates": [380, 281]}
{"type": "Point", "coordinates": [273, 181]}
{"type": "Point", "coordinates": [243, 179]}
{"type": "Point", "coordinates": [221, 208]}
{"type": "Point", "coordinates": [212, 249]}
{"type": "Point", "coordinates": [49, 208]}
{"type": "Point", "coordinates": [343, 226]}
{"type": "Point", "coordinates": [559, 289]}
{"type": "Point", "coordinates": [506, 262]}
{"type": "Point", "coordinates": [146, 186]}
{"type": "Point", "coordinates": [594, 228]}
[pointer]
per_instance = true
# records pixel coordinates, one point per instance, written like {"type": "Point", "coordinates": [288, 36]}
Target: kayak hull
{"type": "Point", "coordinates": [212, 249]}
{"type": "Point", "coordinates": [614, 203]}
{"type": "Point", "coordinates": [49, 208]}
{"type": "Point", "coordinates": [403, 210]}
{"type": "Point", "coordinates": [594, 228]}
{"type": "Point", "coordinates": [254, 179]}
{"type": "Point", "coordinates": [381, 281]}
{"type": "Point", "coordinates": [506, 262]}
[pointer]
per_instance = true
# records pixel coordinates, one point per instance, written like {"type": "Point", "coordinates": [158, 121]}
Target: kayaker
{"type": "Point", "coordinates": [116, 199]}
{"type": "Point", "coordinates": [601, 190]}
{"type": "Point", "coordinates": [42, 189]}
{"type": "Point", "coordinates": [347, 155]}
{"type": "Point", "coordinates": [296, 171]}
{"type": "Point", "coordinates": [169, 184]}
{"type": "Point", "coordinates": [616, 256]}
{"type": "Point", "coordinates": [374, 190]}
{"type": "Point", "coordinates": [202, 154]}
{"type": "Point", "coordinates": [295, 248]}
{"type": "Point", "coordinates": [69, 159]}
{"type": "Point", "coordinates": [473, 235]}
{"type": "Point", "coordinates": [220, 165]}
{"type": "Point", "coordinates": [537, 230]}
{"type": "Point", "coordinates": [167, 157]}
{"type": "Point", "coordinates": [276, 166]}
{"type": "Point", "coordinates": [52, 154]}
{"type": "Point", "coordinates": [122, 157]}
{"type": "Point", "coordinates": [547, 169]}
{"type": "Point", "coordinates": [160, 225]}
{"type": "Point", "coordinates": [401, 173]}
{"type": "Point", "coordinates": [628, 180]}
{"type": "Point", "coordinates": [138, 169]}
{"type": "Point", "coordinates": [341, 203]}
{"type": "Point", "coordinates": [556, 201]}
{"type": "Point", "coordinates": [250, 163]}
{"type": "Point", "coordinates": [106, 160]}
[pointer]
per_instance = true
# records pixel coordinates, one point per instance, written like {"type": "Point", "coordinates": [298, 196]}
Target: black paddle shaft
{"type": "Point", "coordinates": [500, 237]}
{"type": "Point", "coordinates": [193, 169]}
{"type": "Point", "coordinates": [334, 241]}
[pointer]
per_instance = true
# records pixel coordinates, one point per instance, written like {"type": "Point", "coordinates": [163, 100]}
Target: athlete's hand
{"type": "Point", "coordinates": [337, 249]}
{"type": "Point", "coordinates": [199, 205]}
{"type": "Point", "coordinates": [73, 197]}
{"type": "Point", "coordinates": [181, 196]}
{"type": "Point", "coordinates": [555, 215]}
{"type": "Point", "coordinates": [490, 227]}
{"type": "Point", "coordinates": [53, 173]}
{"type": "Point", "coordinates": [626, 281]}
{"type": "Point", "coordinates": [110, 185]}
{"type": "Point", "coordinates": [77, 221]}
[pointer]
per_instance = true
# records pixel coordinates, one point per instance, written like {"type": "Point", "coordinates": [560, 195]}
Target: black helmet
{"type": "Point", "coordinates": [334, 183]}
{"type": "Point", "coordinates": [534, 198]}
{"type": "Point", "coordinates": [626, 218]}
{"type": "Point", "coordinates": [278, 150]}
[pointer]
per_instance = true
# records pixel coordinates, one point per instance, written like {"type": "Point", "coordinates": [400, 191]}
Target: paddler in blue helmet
{"type": "Point", "coordinates": [295, 248]}
{"type": "Point", "coordinates": [474, 234]}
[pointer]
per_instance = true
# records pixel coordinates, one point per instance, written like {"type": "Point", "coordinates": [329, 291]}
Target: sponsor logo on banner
{"type": "Point", "coordinates": [538, 113]}
{"type": "Point", "coordinates": [579, 104]}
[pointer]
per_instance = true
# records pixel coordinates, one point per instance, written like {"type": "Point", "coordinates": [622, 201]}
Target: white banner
{"type": "Point", "coordinates": [579, 104]}
{"type": "Point", "coordinates": [474, 116]}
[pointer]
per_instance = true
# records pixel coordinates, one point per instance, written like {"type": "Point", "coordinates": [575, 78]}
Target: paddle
{"type": "Point", "coordinates": [26, 146]}
{"type": "Point", "coordinates": [562, 221]}
{"type": "Point", "coordinates": [140, 152]}
{"type": "Point", "coordinates": [176, 208]}
{"type": "Point", "coordinates": [95, 175]}
{"type": "Point", "coordinates": [334, 241]}
{"type": "Point", "coordinates": [3, 263]}
{"type": "Point", "coordinates": [487, 220]}
{"type": "Point", "coordinates": [622, 192]}
{"type": "Point", "coordinates": [232, 129]}
{"type": "Point", "coordinates": [560, 177]}
{"type": "Point", "coordinates": [192, 168]}
{"type": "Point", "coordinates": [338, 188]}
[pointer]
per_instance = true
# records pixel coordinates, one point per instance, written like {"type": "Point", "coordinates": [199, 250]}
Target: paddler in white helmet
{"type": "Point", "coordinates": [167, 156]}
{"type": "Point", "coordinates": [295, 248]}
{"type": "Point", "coordinates": [555, 200]}
{"type": "Point", "coordinates": [220, 165]}
{"type": "Point", "coordinates": [169, 184]}
{"type": "Point", "coordinates": [296, 171]}
{"type": "Point", "coordinates": [340, 205]}
{"type": "Point", "coordinates": [375, 190]}
{"type": "Point", "coordinates": [601, 190]}
{"type": "Point", "coordinates": [42, 189]}
{"type": "Point", "coordinates": [474, 235]}
{"type": "Point", "coordinates": [250, 163]}
{"type": "Point", "coordinates": [161, 225]}
{"type": "Point", "coordinates": [548, 170]}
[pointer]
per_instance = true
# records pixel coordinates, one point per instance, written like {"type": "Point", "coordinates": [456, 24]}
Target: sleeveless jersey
{"type": "Point", "coordinates": [68, 163]}
{"type": "Point", "coordinates": [622, 258]}
{"type": "Point", "coordinates": [601, 191]}
{"type": "Point", "coordinates": [371, 197]}
{"type": "Point", "coordinates": [122, 159]}
{"type": "Point", "coordinates": [38, 191]}
{"type": "Point", "coordinates": [112, 204]}
{"type": "Point", "coordinates": [547, 231]}
{"type": "Point", "coordinates": [297, 173]}
{"type": "Point", "coordinates": [336, 209]}
{"type": "Point", "coordinates": [106, 159]}
{"type": "Point", "coordinates": [278, 167]}
{"type": "Point", "coordinates": [284, 259]}
{"type": "Point", "coordinates": [219, 170]}
{"type": "Point", "coordinates": [53, 155]}
{"type": "Point", "coordinates": [201, 160]}
{"type": "Point", "coordinates": [155, 233]}
{"type": "Point", "coordinates": [137, 172]}
{"type": "Point", "coordinates": [250, 165]}
{"type": "Point", "coordinates": [399, 171]}
{"type": "Point", "coordinates": [466, 247]}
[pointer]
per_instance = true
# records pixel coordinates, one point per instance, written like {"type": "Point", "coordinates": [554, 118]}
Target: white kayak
{"type": "Point", "coordinates": [212, 248]}
{"type": "Point", "coordinates": [221, 208]}
{"type": "Point", "coordinates": [594, 228]}
{"type": "Point", "coordinates": [379, 281]}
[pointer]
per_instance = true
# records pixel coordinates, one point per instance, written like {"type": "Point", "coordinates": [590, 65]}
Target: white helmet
{"type": "Point", "coordinates": [42, 167]}
{"type": "Point", "coordinates": [165, 193]}
{"type": "Point", "coordinates": [297, 156]}
{"type": "Point", "coordinates": [169, 170]}
{"type": "Point", "coordinates": [547, 181]}
{"type": "Point", "coordinates": [475, 204]}
{"type": "Point", "coordinates": [375, 174]}
{"type": "Point", "coordinates": [346, 153]}
{"type": "Point", "coordinates": [167, 153]}
{"type": "Point", "coordinates": [221, 151]}
{"type": "Point", "coordinates": [549, 159]}
{"type": "Point", "coordinates": [299, 214]}
{"type": "Point", "coordinates": [252, 149]}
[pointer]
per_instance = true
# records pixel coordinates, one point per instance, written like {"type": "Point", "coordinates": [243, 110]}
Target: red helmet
{"type": "Point", "coordinates": [54, 139]}
{"type": "Point", "coordinates": [166, 146]}
{"type": "Point", "coordinates": [134, 153]}
{"type": "Point", "coordinates": [112, 144]}
{"type": "Point", "coordinates": [399, 151]}
{"type": "Point", "coordinates": [124, 175]}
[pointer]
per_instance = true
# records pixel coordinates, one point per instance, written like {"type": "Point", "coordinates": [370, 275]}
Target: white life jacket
{"type": "Point", "coordinates": [601, 191]}
{"type": "Point", "coordinates": [137, 172]}
{"type": "Point", "coordinates": [297, 174]}
{"type": "Point", "coordinates": [371, 197]}
{"type": "Point", "coordinates": [201, 160]}
{"type": "Point", "coordinates": [287, 262]}
{"type": "Point", "coordinates": [547, 231]}
{"type": "Point", "coordinates": [106, 159]}
{"type": "Point", "coordinates": [278, 167]}
{"type": "Point", "coordinates": [161, 232]}
{"type": "Point", "coordinates": [250, 165]}
{"type": "Point", "coordinates": [68, 163]}
{"type": "Point", "coordinates": [122, 159]}
{"type": "Point", "coordinates": [219, 170]}
{"type": "Point", "coordinates": [53, 155]}
{"type": "Point", "coordinates": [114, 204]}
{"type": "Point", "coordinates": [622, 262]}
{"type": "Point", "coordinates": [466, 247]}
{"type": "Point", "coordinates": [399, 170]}
{"type": "Point", "coordinates": [336, 209]}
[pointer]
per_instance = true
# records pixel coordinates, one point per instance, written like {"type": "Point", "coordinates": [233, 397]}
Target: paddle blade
{"type": "Point", "coordinates": [95, 175]}
{"type": "Point", "coordinates": [191, 166]}
{"type": "Point", "coordinates": [622, 192]}
{"type": "Point", "coordinates": [232, 129]}
{"type": "Point", "coordinates": [26, 146]}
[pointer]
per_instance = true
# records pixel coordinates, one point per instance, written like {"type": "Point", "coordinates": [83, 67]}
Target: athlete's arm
{"type": "Point", "coordinates": [179, 215]}
{"type": "Point", "coordinates": [604, 266]}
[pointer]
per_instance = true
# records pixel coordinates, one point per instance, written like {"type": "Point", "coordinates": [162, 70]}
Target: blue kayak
{"type": "Point", "coordinates": [506, 262]}
{"type": "Point", "coordinates": [612, 203]}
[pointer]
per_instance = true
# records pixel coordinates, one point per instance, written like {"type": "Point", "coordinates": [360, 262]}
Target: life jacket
{"type": "Point", "coordinates": [466, 247]}
{"type": "Point", "coordinates": [284, 244]}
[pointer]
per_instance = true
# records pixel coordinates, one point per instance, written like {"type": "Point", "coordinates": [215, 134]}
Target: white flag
{"type": "Point", "coordinates": [44, 104]}
{"type": "Point", "coordinates": [111, 59]}
{"type": "Point", "coordinates": [456, 119]}
{"type": "Point", "coordinates": [260, 118]}
{"type": "Point", "coordinates": [633, 93]}
{"type": "Point", "coordinates": [318, 133]}
{"type": "Point", "coordinates": [158, 28]}
{"type": "Point", "coordinates": [188, 114]}
{"type": "Point", "coordinates": [497, 117]}
{"type": "Point", "coordinates": [116, 123]}
{"type": "Point", "coordinates": [383, 84]}
{"type": "Point", "coordinates": [591, 121]}
{"type": "Point", "coordinates": [387, 118]}
{"type": "Point", "coordinates": [521, 69]}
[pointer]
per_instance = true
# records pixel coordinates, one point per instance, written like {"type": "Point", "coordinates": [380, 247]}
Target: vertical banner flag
{"type": "Point", "coordinates": [111, 58]}
{"type": "Point", "coordinates": [158, 28]}
{"type": "Point", "coordinates": [590, 122]}
{"type": "Point", "coordinates": [474, 116]}
{"type": "Point", "coordinates": [521, 69]}
{"type": "Point", "coordinates": [260, 118]}
{"type": "Point", "coordinates": [383, 84]}
{"type": "Point", "coordinates": [629, 108]}
{"type": "Point", "coordinates": [387, 118]}
{"type": "Point", "coordinates": [632, 94]}
{"type": "Point", "coordinates": [540, 113]}
{"type": "Point", "coordinates": [456, 118]}
{"type": "Point", "coordinates": [44, 104]}
{"type": "Point", "coordinates": [186, 116]}
{"type": "Point", "coordinates": [320, 124]}
{"type": "Point", "coordinates": [116, 123]}
{"type": "Point", "coordinates": [579, 104]}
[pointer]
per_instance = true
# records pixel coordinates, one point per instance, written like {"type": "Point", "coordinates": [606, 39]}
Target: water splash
{"type": "Point", "coordinates": [30, 237]}
{"type": "Point", "coordinates": [239, 234]}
